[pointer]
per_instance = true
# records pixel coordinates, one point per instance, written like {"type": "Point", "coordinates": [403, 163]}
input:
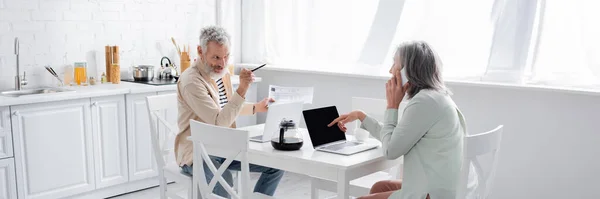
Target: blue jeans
{"type": "Point", "coordinates": [267, 183]}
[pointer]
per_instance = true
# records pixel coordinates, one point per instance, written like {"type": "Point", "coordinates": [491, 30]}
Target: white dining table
{"type": "Point", "coordinates": [317, 164]}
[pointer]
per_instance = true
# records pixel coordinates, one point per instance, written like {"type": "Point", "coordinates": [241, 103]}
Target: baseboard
{"type": "Point", "coordinates": [119, 189]}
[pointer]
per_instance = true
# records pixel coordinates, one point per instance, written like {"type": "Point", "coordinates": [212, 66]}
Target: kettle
{"type": "Point", "coordinates": [167, 70]}
{"type": "Point", "coordinates": [288, 138]}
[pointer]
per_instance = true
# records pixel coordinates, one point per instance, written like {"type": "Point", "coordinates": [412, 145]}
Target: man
{"type": "Point", "coordinates": [205, 94]}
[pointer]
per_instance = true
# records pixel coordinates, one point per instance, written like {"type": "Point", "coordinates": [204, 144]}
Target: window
{"type": "Point", "coordinates": [568, 52]}
{"type": "Point", "coordinates": [337, 31]}
{"type": "Point", "coordinates": [286, 31]}
{"type": "Point", "coordinates": [552, 42]}
{"type": "Point", "coordinates": [459, 30]}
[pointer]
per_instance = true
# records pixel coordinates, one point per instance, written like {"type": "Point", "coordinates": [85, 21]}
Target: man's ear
{"type": "Point", "coordinates": [200, 50]}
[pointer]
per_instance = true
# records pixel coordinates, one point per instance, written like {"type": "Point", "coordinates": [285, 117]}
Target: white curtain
{"type": "Point", "coordinates": [459, 30]}
{"type": "Point", "coordinates": [569, 44]}
{"type": "Point", "coordinates": [334, 32]}
{"type": "Point", "coordinates": [541, 41]}
{"type": "Point", "coordinates": [286, 31]}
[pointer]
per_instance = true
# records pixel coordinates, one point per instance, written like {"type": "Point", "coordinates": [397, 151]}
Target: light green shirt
{"type": "Point", "coordinates": [430, 137]}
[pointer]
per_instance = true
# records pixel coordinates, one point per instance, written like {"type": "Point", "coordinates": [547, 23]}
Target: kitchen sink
{"type": "Point", "coordinates": [37, 91]}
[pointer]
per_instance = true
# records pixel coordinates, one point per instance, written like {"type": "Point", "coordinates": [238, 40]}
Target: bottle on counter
{"type": "Point", "coordinates": [92, 81]}
{"type": "Point", "coordinates": [103, 78]}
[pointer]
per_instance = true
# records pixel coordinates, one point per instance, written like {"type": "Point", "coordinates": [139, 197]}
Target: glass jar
{"type": "Point", "coordinates": [68, 75]}
{"type": "Point", "coordinates": [80, 73]}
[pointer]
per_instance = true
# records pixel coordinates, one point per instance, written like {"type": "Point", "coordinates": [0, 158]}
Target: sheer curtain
{"type": "Point", "coordinates": [459, 30]}
{"type": "Point", "coordinates": [334, 32]}
{"type": "Point", "coordinates": [553, 42]}
{"type": "Point", "coordinates": [313, 31]}
{"type": "Point", "coordinates": [569, 44]}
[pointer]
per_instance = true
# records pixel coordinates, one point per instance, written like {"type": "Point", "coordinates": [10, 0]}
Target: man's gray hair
{"type": "Point", "coordinates": [423, 67]}
{"type": "Point", "coordinates": [213, 33]}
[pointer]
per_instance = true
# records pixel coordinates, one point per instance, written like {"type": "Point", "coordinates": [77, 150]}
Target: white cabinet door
{"type": "Point", "coordinates": [110, 140]}
{"type": "Point", "coordinates": [139, 147]}
{"type": "Point", "coordinates": [6, 148]}
{"type": "Point", "coordinates": [53, 149]}
{"type": "Point", "coordinates": [8, 183]}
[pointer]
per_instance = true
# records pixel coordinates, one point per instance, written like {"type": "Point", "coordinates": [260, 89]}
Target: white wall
{"type": "Point", "coordinates": [549, 141]}
{"type": "Point", "coordinates": [49, 29]}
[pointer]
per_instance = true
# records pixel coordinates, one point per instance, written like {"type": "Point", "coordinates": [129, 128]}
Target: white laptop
{"type": "Point", "coordinates": [277, 112]}
{"type": "Point", "coordinates": [330, 139]}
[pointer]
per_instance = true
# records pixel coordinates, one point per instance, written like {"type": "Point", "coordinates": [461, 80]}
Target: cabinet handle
{"type": "Point", "coordinates": [16, 114]}
{"type": "Point", "coordinates": [94, 104]}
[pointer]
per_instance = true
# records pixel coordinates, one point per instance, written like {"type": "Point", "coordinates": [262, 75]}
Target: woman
{"type": "Point", "coordinates": [429, 134]}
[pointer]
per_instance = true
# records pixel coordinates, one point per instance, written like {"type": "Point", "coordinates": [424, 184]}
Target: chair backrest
{"type": "Point", "coordinates": [477, 147]}
{"type": "Point", "coordinates": [161, 144]}
{"type": "Point", "coordinates": [222, 142]}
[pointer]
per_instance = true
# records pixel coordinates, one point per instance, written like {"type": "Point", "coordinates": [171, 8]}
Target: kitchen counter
{"type": "Point", "coordinates": [95, 91]}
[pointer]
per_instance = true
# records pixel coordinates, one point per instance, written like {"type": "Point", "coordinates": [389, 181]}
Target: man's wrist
{"type": "Point", "coordinates": [242, 92]}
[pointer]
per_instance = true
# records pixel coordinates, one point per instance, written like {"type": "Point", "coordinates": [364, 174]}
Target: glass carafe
{"type": "Point", "coordinates": [288, 138]}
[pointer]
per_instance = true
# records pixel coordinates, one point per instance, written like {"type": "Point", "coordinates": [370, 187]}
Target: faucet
{"type": "Point", "coordinates": [18, 81]}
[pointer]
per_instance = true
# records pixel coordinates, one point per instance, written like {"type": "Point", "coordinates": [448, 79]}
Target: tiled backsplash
{"type": "Point", "coordinates": [59, 32]}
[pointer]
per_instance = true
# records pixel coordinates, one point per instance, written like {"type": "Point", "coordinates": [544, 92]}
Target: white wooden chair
{"type": "Point", "coordinates": [161, 145]}
{"type": "Point", "coordinates": [231, 144]}
{"type": "Point", "coordinates": [479, 147]}
{"type": "Point", "coordinates": [359, 187]}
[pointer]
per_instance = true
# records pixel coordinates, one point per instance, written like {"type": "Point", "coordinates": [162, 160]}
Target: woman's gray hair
{"type": "Point", "coordinates": [423, 67]}
{"type": "Point", "coordinates": [213, 33]}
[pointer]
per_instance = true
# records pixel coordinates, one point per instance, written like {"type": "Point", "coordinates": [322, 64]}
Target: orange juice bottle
{"type": "Point", "coordinates": [80, 73]}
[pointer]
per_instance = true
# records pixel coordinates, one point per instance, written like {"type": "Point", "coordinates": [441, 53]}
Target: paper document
{"type": "Point", "coordinates": [291, 94]}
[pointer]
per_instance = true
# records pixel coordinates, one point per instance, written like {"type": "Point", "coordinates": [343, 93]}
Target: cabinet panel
{"type": "Point", "coordinates": [139, 147]}
{"type": "Point", "coordinates": [110, 140]}
{"type": "Point", "coordinates": [6, 143]}
{"type": "Point", "coordinates": [8, 182]}
{"type": "Point", "coordinates": [53, 149]}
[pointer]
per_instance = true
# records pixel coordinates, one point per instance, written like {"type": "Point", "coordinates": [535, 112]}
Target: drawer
{"type": "Point", "coordinates": [6, 145]}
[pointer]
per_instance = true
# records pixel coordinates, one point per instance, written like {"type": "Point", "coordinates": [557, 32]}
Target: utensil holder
{"type": "Point", "coordinates": [184, 61]}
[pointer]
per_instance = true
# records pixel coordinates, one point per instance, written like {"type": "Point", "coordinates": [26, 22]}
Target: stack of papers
{"type": "Point", "coordinates": [291, 94]}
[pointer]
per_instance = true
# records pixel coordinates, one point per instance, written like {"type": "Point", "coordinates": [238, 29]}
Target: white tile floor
{"type": "Point", "coordinates": [292, 186]}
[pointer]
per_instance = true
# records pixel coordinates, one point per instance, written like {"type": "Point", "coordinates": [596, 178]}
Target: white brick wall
{"type": "Point", "coordinates": [59, 32]}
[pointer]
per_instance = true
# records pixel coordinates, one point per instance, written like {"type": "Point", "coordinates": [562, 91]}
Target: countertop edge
{"type": "Point", "coordinates": [104, 90]}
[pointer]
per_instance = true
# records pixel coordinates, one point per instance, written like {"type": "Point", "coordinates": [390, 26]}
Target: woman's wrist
{"type": "Point", "coordinates": [361, 115]}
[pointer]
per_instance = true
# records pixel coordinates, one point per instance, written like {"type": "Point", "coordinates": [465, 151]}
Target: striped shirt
{"type": "Point", "coordinates": [222, 94]}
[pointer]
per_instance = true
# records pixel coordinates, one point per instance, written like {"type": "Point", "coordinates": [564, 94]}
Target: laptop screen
{"type": "Point", "coordinates": [316, 122]}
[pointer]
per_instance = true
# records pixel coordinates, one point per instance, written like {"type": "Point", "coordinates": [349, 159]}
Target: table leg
{"type": "Point", "coordinates": [314, 191]}
{"type": "Point", "coordinates": [343, 185]}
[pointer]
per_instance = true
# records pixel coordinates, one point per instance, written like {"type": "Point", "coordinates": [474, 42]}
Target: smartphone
{"type": "Point", "coordinates": [403, 75]}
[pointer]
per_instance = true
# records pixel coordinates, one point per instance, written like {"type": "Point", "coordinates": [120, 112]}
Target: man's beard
{"type": "Point", "coordinates": [209, 69]}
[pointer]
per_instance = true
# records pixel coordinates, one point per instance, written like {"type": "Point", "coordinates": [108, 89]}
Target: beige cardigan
{"type": "Point", "coordinates": [197, 99]}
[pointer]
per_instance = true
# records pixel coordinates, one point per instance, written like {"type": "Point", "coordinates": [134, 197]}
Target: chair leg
{"type": "Point", "coordinates": [239, 179]}
{"type": "Point", "coordinates": [314, 191]}
{"type": "Point", "coordinates": [162, 181]}
{"type": "Point", "coordinates": [190, 192]}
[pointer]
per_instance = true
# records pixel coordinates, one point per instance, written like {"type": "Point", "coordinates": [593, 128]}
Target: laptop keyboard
{"type": "Point", "coordinates": [258, 137]}
{"type": "Point", "coordinates": [341, 146]}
